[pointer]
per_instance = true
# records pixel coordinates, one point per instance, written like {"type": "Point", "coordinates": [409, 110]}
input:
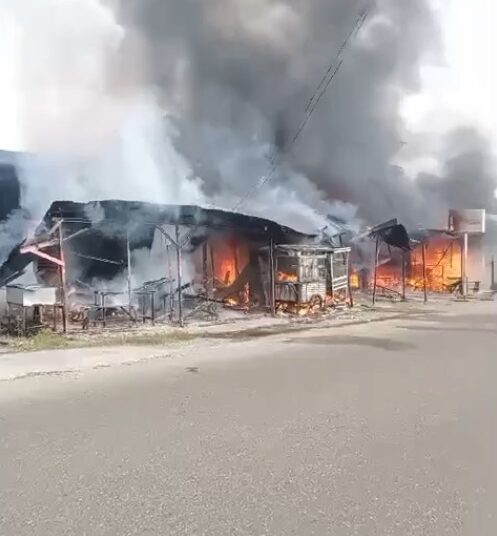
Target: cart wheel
{"type": "Point", "coordinates": [316, 302]}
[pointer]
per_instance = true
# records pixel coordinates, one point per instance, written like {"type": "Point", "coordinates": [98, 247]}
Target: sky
{"type": "Point", "coordinates": [10, 131]}
{"type": "Point", "coordinates": [461, 89]}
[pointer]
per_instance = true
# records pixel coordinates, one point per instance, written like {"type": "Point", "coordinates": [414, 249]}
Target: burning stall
{"type": "Point", "coordinates": [305, 277]}
{"type": "Point", "coordinates": [435, 261]}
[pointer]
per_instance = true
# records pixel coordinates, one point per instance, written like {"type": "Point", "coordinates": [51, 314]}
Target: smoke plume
{"type": "Point", "coordinates": [467, 178]}
{"type": "Point", "coordinates": [241, 73]}
{"type": "Point", "coordinates": [189, 101]}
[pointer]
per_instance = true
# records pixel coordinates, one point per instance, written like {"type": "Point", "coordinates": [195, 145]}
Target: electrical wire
{"type": "Point", "coordinates": [316, 97]}
{"type": "Point", "coordinates": [274, 163]}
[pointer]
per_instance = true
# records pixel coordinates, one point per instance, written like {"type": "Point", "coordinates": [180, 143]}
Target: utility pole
{"type": "Point", "coordinates": [464, 266]}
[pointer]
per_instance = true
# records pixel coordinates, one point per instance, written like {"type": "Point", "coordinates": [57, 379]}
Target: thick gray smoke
{"type": "Point", "coordinates": [468, 178]}
{"type": "Point", "coordinates": [241, 73]}
{"type": "Point", "coordinates": [188, 101]}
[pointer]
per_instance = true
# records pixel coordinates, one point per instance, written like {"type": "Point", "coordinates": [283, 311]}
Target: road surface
{"type": "Point", "coordinates": [380, 429]}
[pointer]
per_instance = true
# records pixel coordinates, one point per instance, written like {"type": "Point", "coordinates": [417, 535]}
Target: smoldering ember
{"type": "Point", "coordinates": [113, 262]}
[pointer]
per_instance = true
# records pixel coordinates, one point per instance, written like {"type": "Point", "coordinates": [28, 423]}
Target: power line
{"type": "Point", "coordinates": [361, 18]}
{"type": "Point", "coordinates": [323, 86]}
{"type": "Point", "coordinates": [312, 104]}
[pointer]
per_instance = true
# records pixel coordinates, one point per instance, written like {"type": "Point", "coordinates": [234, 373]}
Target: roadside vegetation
{"type": "Point", "coordinates": [48, 340]}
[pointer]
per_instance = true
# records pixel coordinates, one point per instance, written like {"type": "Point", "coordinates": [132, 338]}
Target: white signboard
{"type": "Point", "coordinates": [471, 221]}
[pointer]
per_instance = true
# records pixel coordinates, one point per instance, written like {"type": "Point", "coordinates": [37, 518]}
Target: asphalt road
{"type": "Point", "coordinates": [381, 429]}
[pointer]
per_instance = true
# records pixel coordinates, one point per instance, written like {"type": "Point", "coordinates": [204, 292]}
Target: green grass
{"type": "Point", "coordinates": [144, 339]}
{"type": "Point", "coordinates": [43, 340]}
{"type": "Point", "coordinates": [48, 340]}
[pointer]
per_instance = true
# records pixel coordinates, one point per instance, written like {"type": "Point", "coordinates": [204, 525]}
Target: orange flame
{"type": "Point", "coordinates": [283, 277]}
{"type": "Point", "coordinates": [442, 268]}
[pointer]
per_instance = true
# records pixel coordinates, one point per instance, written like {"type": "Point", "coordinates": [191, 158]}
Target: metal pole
{"type": "Point", "coordinates": [464, 261]}
{"type": "Point", "coordinates": [492, 268]}
{"type": "Point", "coordinates": [62, 280]}
{"type": "Point", "coordinates": [403, 276]}
{"type": "Point", "coordinates": [272, 278]}
{"type": "Point", "coordinates": [424, 273]}
{"type": "Point", "coordinates": [180, 275]}
{"type": "Point", "coordinates": [377, 250]}
{"type": "Point", "coordinates": [128, 257]}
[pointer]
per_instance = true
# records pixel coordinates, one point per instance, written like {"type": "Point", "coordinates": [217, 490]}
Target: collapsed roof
{"type": "Point", "coordinates": [392, 233]}
{"type": "Point", "coordinates": [395, 234]}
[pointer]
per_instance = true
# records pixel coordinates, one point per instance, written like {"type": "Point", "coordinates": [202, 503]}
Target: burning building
{"type": "Point", "coordinates": [429, 260]}
{"type": "Point", "coordinates": [131, 253]}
